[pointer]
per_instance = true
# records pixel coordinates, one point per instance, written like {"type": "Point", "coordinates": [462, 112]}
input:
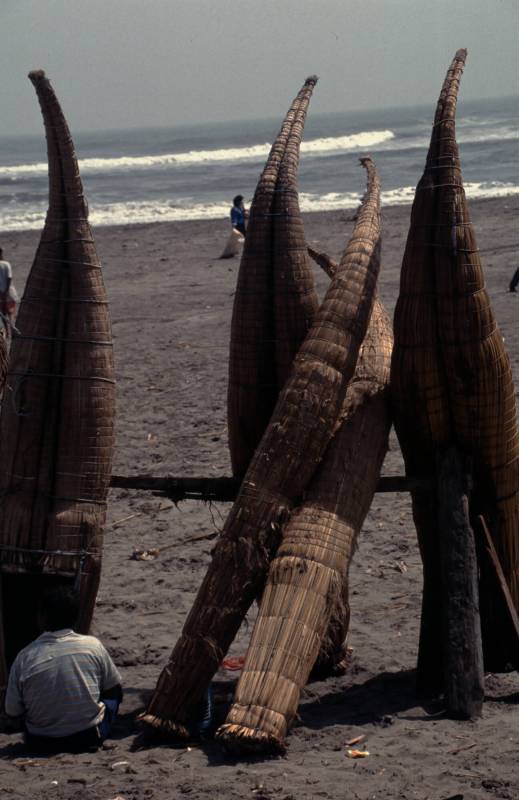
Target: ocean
{"type": "Point", "coordinates": [193, 172]}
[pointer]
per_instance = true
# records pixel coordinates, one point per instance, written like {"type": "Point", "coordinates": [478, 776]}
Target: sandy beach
{"type": "Point", "coordinates": [171, 303]}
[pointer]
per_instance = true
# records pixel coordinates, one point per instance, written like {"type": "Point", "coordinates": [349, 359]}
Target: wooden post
{"type": "Point", "coordinates": [462, 646]}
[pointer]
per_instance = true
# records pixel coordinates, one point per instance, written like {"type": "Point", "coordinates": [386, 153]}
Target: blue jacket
{"type": "Point", "coordinates": [237, 217]}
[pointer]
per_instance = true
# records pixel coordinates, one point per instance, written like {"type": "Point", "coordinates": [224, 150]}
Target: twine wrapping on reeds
{"type": "Point", "coordinates": [375, 352]}
{"type": "Point", "coordinates": [418, 388]}
{"type": "Point", "coordinates": [57, 418]}
{"type": "Point", "coordinates": [295, 299]}
{"type": "Point", "coordinates": [292, 447]}
{"type": "Point", "coordinates": [304, 613]}
{"type": "Point", "coordinates": [275, 300]}
{"type": "Point", "coordinates": [451, 376]}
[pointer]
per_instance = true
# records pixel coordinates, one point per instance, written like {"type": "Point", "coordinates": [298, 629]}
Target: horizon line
{"type": "Point", "coordinates": [248, 120]}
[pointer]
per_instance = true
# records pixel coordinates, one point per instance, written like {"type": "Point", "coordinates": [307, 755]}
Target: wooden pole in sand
{"type": "Point", "coordinates": [462, 645]}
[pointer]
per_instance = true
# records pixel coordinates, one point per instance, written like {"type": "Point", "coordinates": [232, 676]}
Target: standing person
{"type": "Point", "coordinates": [514, 281]}
{"type": "Point", "coordinates": [238, 214]}
{"type": "Point", "coordinates": [64, 685]}
{"type": "Point", "coordinates": [8, 294]}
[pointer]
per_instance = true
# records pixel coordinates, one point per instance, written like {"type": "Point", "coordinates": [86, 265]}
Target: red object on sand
{"type": "Point", "coordinates": [234, 663]}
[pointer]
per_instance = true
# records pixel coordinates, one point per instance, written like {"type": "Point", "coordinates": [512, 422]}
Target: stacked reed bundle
{"type": "Point", "coordinates": [452, 381]}
{"type": "Point", "coordinates": [306, 594]}
{"type": "Point", "coordinates": [479, 378]}
{"type": "Point", "coordinates": [420, 402]}
{"type": "Point", "coordinates": [292, 447]}
{"type": "Point", "coordinates": [376, 350]}
{"type": "Point", "coordinates": [275, 300]}
{"type": "Point", "coordinates": [57, 418]}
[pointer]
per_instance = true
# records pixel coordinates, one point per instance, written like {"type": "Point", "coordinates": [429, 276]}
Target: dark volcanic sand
{"type": "Point", "coordinates": [171, 303]}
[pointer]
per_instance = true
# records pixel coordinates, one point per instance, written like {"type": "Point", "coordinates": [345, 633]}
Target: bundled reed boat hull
{"type": "Point", "coordinates": [57, 419]}
{"type": "Point", "coordinates": [304, 611]}
{"type": "Point", "coordinates": [452, 385]}
{"type": "Point", "coordinates": [275, 300]}
{"type": "Point", "coordinates": [293, 445]}
{"type": "Point", "coordinates": [4, 360]}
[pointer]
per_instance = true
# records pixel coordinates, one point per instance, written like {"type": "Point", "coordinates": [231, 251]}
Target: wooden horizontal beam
{"type": "Point", "coordinates": [225, 489]}
{"type": "Point", "coordinates": [215, 489]}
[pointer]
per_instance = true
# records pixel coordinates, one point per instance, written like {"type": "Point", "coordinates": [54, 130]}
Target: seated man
{"type": "Point", "coordinates": [64, 685]}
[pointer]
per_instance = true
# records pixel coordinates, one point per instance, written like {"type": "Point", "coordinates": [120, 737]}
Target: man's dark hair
{"type": "Point", "coordinates": [59, 607]}
{"type": "Point", "coordinates": [237, 200]}
{"type": "Point", "coordinates": [1, 253]}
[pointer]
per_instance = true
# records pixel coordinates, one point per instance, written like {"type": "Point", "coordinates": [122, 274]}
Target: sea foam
{"type": "Point", "coordinates": [257, 152]}
{"type": "Point", "coordinates": [137, 212]}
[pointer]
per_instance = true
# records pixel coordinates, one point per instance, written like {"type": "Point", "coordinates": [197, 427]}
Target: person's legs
{"type": "Point", "coordinates": [112, 707]}
{"type": "Point", "coordinates": [201, 715]}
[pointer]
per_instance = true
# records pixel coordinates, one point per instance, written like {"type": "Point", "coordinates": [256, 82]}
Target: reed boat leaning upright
{"type": "Point", "coordinates": [367, 398]}
{"type": "Point", "coordinates": [275, 300]}
{"type": "Point", "coordinates": [57, 418]}
{"type": "Point", "coordinates": [479, 382]}
{"type": "Point", "coordinates": [285, 460]}
{"type": "Point", "coordinates": [452, 384]}
{"type": "Point", "coordinates": [305, 602]}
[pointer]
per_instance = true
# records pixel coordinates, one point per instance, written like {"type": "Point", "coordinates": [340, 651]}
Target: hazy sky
{"type": "Point", "coordinates": [120, 63]}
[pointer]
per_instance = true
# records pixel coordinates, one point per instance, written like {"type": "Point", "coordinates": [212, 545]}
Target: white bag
{"type": "Point", "coordinates": [233, 245]}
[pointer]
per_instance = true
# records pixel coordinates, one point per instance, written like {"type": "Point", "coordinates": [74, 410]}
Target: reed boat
{"type": "Point", "coordinates": [57, 417]}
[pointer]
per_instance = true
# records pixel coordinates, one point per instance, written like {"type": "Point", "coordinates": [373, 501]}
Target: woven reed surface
{"type": "Point", "coordinates": [333, 654]}
{"type": "Point", "coordinates": [275, 299]}
{"type": "Point", "coordinates": [306, 595]}
{"type": "Point", "coordinates": [367, 397]}
{"type": "Point", "coordinates": [292, 447]}
{"type": "Point", "coordinates": [4, 669]}
{"type": "Point", "coordinates": [451, 375]}
{"type": "Point", "coordinates": [57, 420]}
{"type": "Point", "coordinates": [418, 385]}
{"type": "Point", "coordinates": [295, 298]}
{"type": "Point", "coordinates": [325, 262]}
{"type": "Point", "coordinates": [4, 360]}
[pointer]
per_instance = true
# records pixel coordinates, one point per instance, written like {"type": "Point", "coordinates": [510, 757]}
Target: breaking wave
{"type": "Point", "coordinates": [257, 152]}
{"type": "Point", "coordinates": [139, 212]}
{"type": "Point", "coordinates": [366, 140]}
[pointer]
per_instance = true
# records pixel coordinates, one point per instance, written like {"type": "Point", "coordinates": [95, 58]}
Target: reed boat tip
{"type": "Point", "coordinates": [165, 727]}
{"type": "Point", "coordinates": [37, 75]}
{"type": "Point", "coordinates": [240, 739]}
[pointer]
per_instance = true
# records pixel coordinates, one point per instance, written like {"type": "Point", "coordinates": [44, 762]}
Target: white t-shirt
{"type": "Point", "coordinates": [5, 273]}
{"type": "Point", "coordinates": [55, 682]}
